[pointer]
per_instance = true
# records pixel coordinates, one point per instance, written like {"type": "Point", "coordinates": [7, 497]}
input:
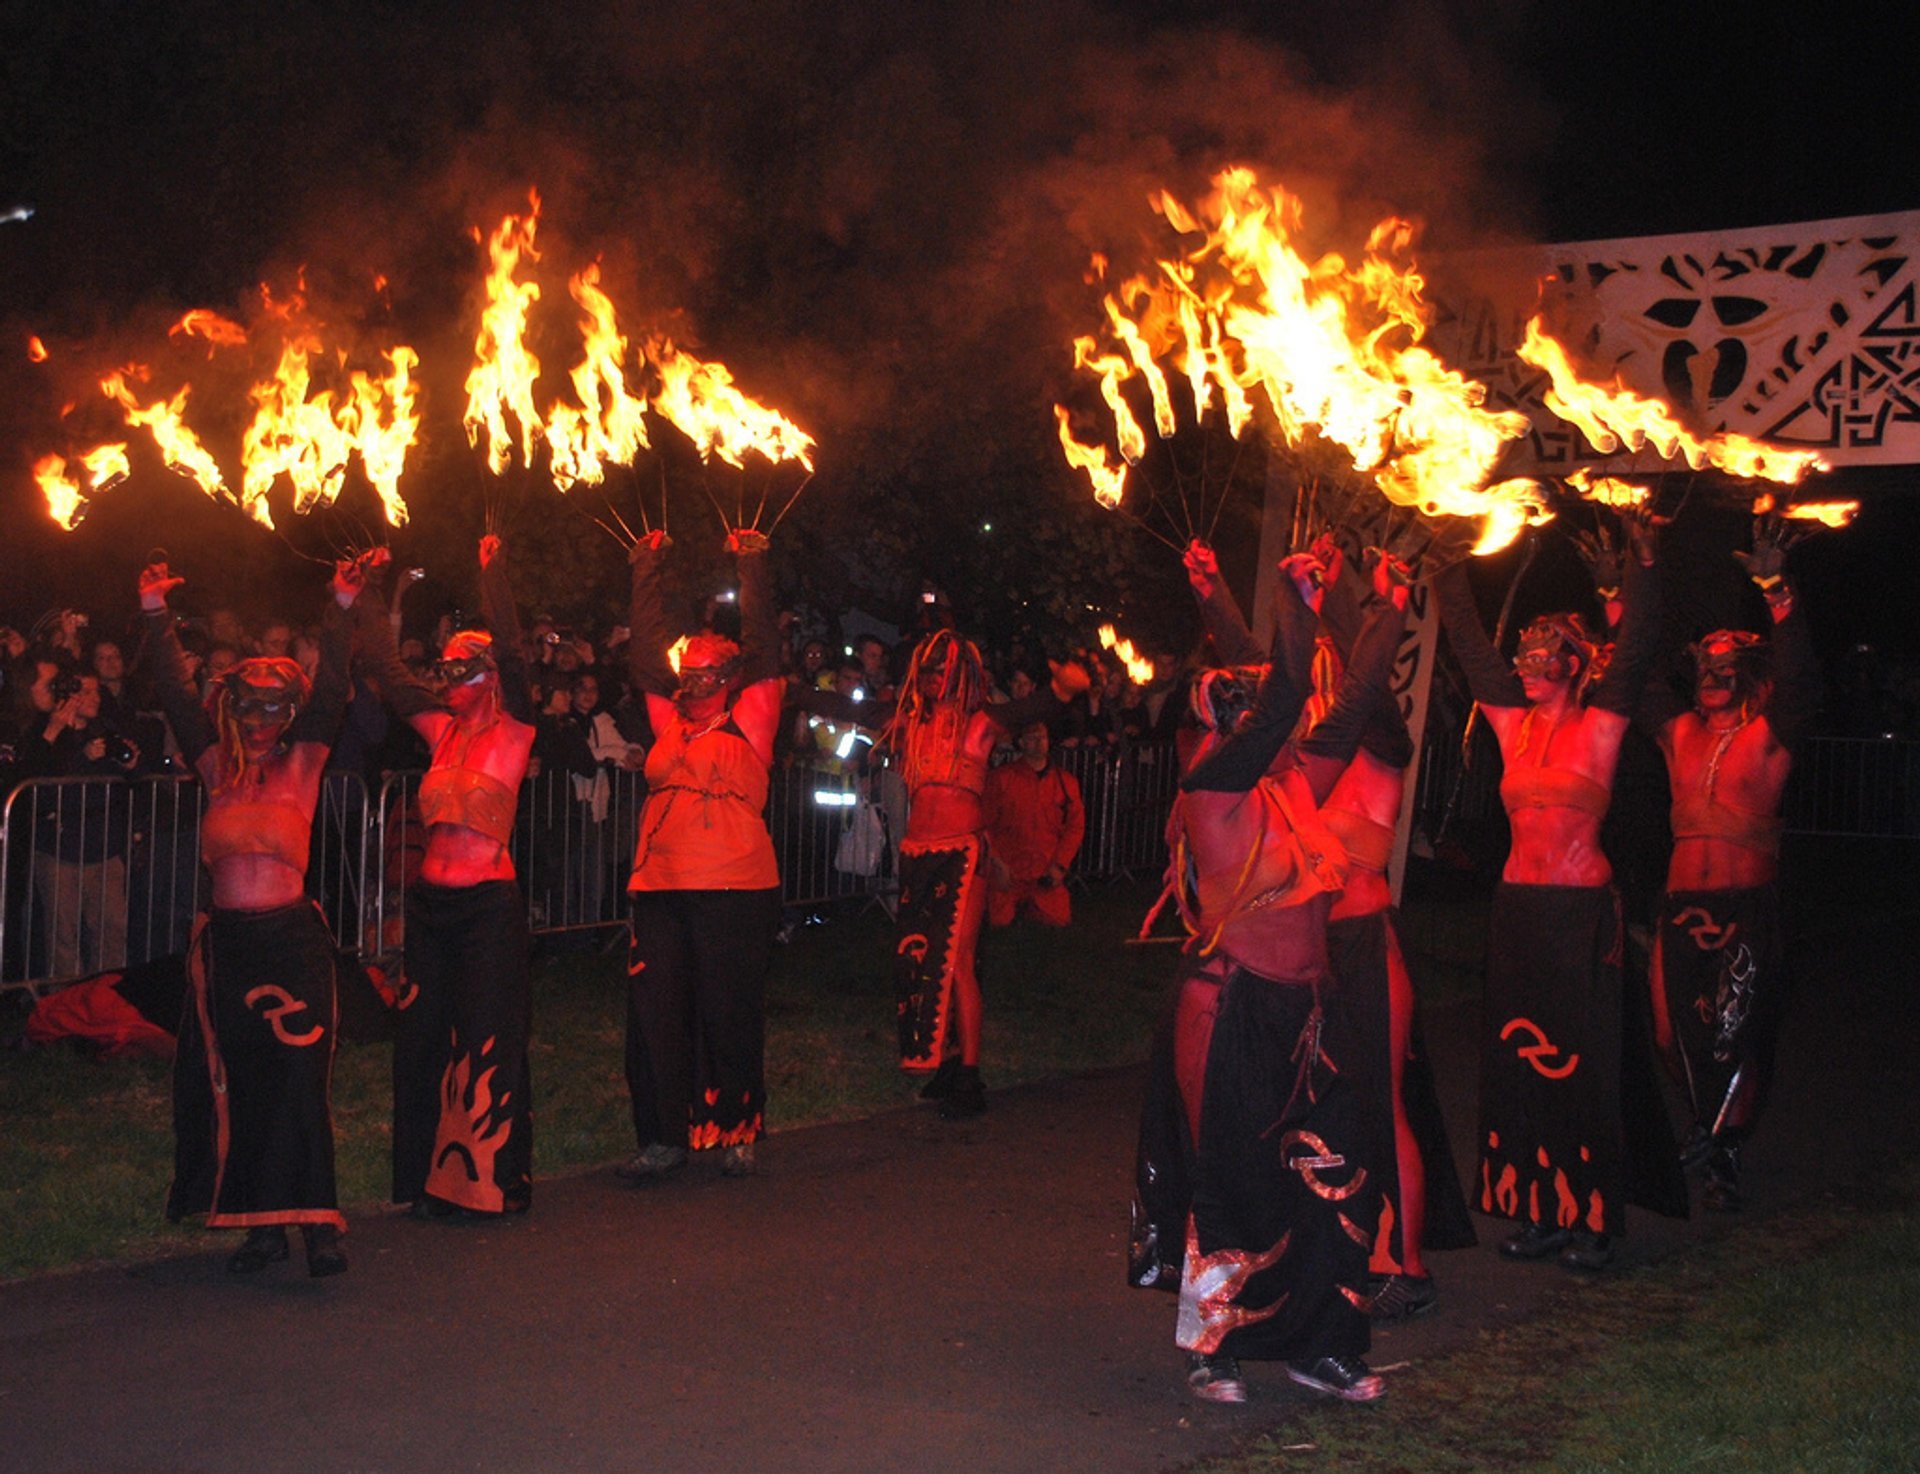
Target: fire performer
{"type": "Point", "coordinates": [705, 886]}
{"type": "Point", "coordinates": [253, 1129]}
{"type": "Point", "coordinates": [1252, 1142]}
{"type": "Point", "coordinates": [1718, 987]}
{"type": "Point", "coordinates": [1572, 1125]}
{"type": "Point", "coordinates": [462, 1086]}
{"type": "Point", "coordinates": [1375, 1003]}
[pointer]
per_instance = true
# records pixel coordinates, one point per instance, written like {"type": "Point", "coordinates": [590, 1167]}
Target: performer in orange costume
{"type": "Point", "coordinates": [462, 1084]}
{"type": "Point", "coordinates": [1572, 1125]}
{"type": "Point", "coordinates": [1035, 822]}
{"type": "Point", "coordinates": [1717, 965]}
{"type": "Point", "coordinates": [253, 1127]}
{"type": "Point", "coordinates": [705, 887]}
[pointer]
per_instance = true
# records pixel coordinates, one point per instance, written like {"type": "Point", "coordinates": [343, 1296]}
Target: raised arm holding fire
{"type": "Point", "coordinates": [462, 1118]}
{"type": "Point", "coordinates": [253, 1131]}
{"type": "Point", "coordinates": [705, 887]}
{"type": "Point", "coordinates": [1571, 1120]}
{"type": "Point", "coordinates": [1718, 984]}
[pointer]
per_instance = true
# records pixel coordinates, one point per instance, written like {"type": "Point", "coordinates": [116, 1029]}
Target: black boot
{"type": "Point", "coordinates": [967, 1098]}
{"type": "Point", "coordinates": [324, 1254]}
{"type": "Point", "coordinates": [264, 1246]}
{"type": "Point", "coordinates": [1722, 1191]}
{"type": "Point", "coordinates": [940, 1086]}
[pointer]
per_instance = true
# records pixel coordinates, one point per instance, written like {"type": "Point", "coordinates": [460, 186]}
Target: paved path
{"type": "Point", "coordinates": [894, 1294]}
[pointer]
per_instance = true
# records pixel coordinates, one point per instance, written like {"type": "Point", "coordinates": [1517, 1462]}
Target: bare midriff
{"type": "Point", "coordinates": [1735, 838]}
{"type": "Point", "coordinates": [255, 883]}
{"type": "Point", "coordinates": [457, 856]}
{"type": "Point", "coordinates": [1284, 944]}
{"type": "Point", "coordinates": [941, 811]}
{"type": "Point", "coordinates": [1556, 846]}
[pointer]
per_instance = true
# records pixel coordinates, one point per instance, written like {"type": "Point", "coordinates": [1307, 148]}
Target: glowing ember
{"type": "Point", "coordinates": [1333, 350]}
{"type": "Point", "coordinates": [1614, 417]}
{"type": "Point", "coordinates": [1827, 514]}
{"type": "Point", "coordinates": [610, 423]}
{"type": "Point", "coordinates": [179, 446]}
{"type": "Point", "coordinates": [699, 399]}
{"type": "Point", "coordinates": [217, 330]}
{"type": "Point", "coordinates": [36, 350]}
{"type": "Point", "coordinates": [1139, 668]}
{"type": "Point", "coordinates": [1607, 491]}
{"type": "Point", "coordinates": [504, 371]}
{"type": "Point", "coordinates": [1109, 480]}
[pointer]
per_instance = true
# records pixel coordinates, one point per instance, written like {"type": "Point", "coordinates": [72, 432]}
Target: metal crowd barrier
{"type": "Point", "coordinates": [101, 873]}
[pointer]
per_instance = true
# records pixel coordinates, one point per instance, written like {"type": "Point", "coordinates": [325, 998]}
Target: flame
{"type": "Point", "coordinates": [675, 651]}
{"type": "Point", "coordinates": [1827, 514]}
{"type": "Point", "coordinates": [385, 419]}
{"type": "Point", "coordinates": [610, 423]}
{"type": "Point", "coordinates": [179, 446]}
{"type": "Point", "coordinates": [1139, 668]}
{"type": "Point", "coordinates": [1613, 417]}
{"type": "Point", "coordinates": [1607, 491]}
{"type": "Point", "coordinates": [1109, 480]}
{"type": "Point", "coordinates": [503, 374]}
{"type": "Point", "coordinates": [66, 503]}
{"type": "Point", "coordinates": [201, 322]}
{"type": "Point", "coordinates": [700, 400]}
{"type": "Point", "coordinates": [36, 350]}
{"type": "Point", "coordinates": [1333, 350]}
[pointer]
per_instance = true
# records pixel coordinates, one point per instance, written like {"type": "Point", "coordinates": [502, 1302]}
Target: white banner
{"type": "Point", "coordinates": [1804, 335]}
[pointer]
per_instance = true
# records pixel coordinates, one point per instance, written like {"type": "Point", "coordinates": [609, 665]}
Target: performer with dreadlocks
{"type": "Point", "coordinates": [253, 1128]}
{"type": "Point", "coordinates": [1374, 1004]}
{"type": "Point", "coordinates": [1718, 987]}
{"type": "Point", "coordinates": [462, 1086]}
{"type": "Point", "coordinates": [1254, 1194]}
{"type": "Point", "coordinates": [706, 891]}
{"type": "Point", "coordinates": [1571, 1122]}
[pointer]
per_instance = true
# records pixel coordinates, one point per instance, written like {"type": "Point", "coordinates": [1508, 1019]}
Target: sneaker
{"type": "Point", "coordinates": [1588, 1251]}
{"type": "Point", "coordinates": [737, 1161]}
{"type": "Point", "coordinates": [1698, 1147]}
{"type": "Point", "coordinates": [1400, 1296]}
{"type": "Point", "coordinates": [263, 1246]}
{"type": "Point", "coordinates": [1535, 1241]}
{"type": "Point", "coordinates": [324, 1255]}
{"type": "Point", "coordinates": [1345, 1377]}
{"type": "Point", "coordinates": [653, 1164]}
{"type": "Point", "coordinates": [1215, 1378]}
{"type": "Point", "coordinates": [967, 1098]}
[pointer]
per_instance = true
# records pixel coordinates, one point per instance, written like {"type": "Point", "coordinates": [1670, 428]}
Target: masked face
{"type": "Point", "coordinates": [703, 690]}
{"type": "Point", "coordinates": [464, 670]}
{"type": "Point", "coordinates": [1725, 669]}
{"type": "Point", "coordinates": [263, 709]}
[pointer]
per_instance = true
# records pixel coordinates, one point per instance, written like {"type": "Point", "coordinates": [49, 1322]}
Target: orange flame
{"type": "Point", "coordinates": [610, 423]}
{"type": "Point", "coordinates": [106, 467]}
{"type": "Point", "coordinates": [674, 651]}
{"type": "Point", "coordinates": [700, 400]}
{"type": "Point", "coordinates": [1139, 668]}
{"type": "Point", "coordinates": [1109, 480]}
{"type": "Point", "coordinates": [1332, 349]}
{"type": "Point", "coordinates": [1613, 417]}
{"type": "Point", "coordinates": [1827, 514]}
{"type": "Point", "coordinates": [504, 370]}
{"type": "Point", "coordinates": [179, 446]}
{"type": "Point", "coordinates": [219, 332]}
{"type": "Point", "coordinates": [36, 350]}
{"type": "Point", "coordinates": [1607, 491]}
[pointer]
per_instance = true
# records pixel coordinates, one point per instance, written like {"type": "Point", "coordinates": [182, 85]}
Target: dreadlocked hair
{"type": "Point", "coordinates": [1219, 697]}
{"type": "Point", "coordinates": [278, 670]}
{"type": "Point", "coordinates": [923, 726]}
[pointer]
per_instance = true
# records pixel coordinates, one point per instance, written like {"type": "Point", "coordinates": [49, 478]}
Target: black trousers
{"type": "Point", "coordinates": [696, 1015]}
{"type": "Point", "coordinates": [462, 1085]}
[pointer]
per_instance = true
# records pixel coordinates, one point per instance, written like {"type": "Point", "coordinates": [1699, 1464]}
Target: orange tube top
{"type": "Point", "coordinates": [1702, 818]}
{"type": "Point", "coordinates": [1369, 846]}
{"type": "Point", "coordinates": [470, 798]}
{"type": "Point", "coordinates": [280, 831]}
{"type": "Point", "coordinates": [1553, 788]}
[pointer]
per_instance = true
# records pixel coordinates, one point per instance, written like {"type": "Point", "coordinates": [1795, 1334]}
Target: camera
{"type": "Point", "coordinates": [64, 687]}
{"type": "Point", "coordinates": [119, 750]}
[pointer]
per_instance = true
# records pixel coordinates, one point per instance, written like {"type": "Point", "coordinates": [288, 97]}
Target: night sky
{"type": "Point", "coordinates": [877, 214]}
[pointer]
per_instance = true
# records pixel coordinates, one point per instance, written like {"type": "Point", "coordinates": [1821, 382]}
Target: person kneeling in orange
{"type": "Point", "coordinates": [1035, 822]}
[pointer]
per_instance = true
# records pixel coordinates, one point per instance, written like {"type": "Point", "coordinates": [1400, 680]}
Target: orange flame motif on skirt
{"type": "Point", "coordinates": [465, 1146]}
{"type": "Point", "coordinates": [1541, 1049]}
{"type": "Point", "coordinates": [284, 1004]}
{"type": "Point", "coordinates": [1208, 1288]}
{"type": "Point", "coordinates": [1318, 1156]}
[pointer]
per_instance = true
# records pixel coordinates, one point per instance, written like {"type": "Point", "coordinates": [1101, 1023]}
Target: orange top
{"type": "Point", "coordinates": [280, 831]}
{"type": "Point", "coordinates": [1704, 818]}
{"type": "Point", "coordinates": [470, 798]}
{"type": "Point", "coordinates": [1553, 788]}
{"type": "Point", "coordinates": [1369, 846]}
{"type": "Point", "coordinates": [704, 826]}
{"type": "Point", "coordinates": [938, 754]}
{"type": "Point", "coordinates": [1293, 858]}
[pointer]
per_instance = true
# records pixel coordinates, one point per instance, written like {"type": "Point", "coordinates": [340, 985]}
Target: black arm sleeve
{"type": "Point", "coordinates": [167, 665]}
{"type": "Point", "coordinates": [1797, 693]}
{"type": "Point", "coordinates": [759, 630]}
{"type": "Point", "coordinates": [1634, 645]}
{"type": "Point", "coordinates": [1489, 678]}
{"type": "Point", "coordinates": [1343, 612]}
{"type": "Point", "coordinates": [404, 693]}
{"type": "Point", "coordinates": [1366, 687]}
{"type": "Point", "coordinates": [509, 648]}
{"type": "Point", "coordinates": [1249, 750]}
{"type": "Point", "coordinates": [319, 719]}
{"type": "Point", "coordinates": [648, 668]}
{"type": "Point", "coordinates": [1658, 705]}
{"type": "Point", "coordinates": [1220, 616]}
